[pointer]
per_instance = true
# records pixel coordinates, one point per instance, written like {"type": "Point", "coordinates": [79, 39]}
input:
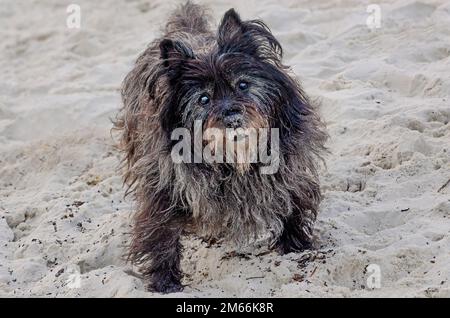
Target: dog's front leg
{"type": "Point", "coordinates": [298, 227]}
{"type": "Point", "coordinates": [164, 272]}
{"type": "Point", "coordinates": [297, 234]}
{"type": "Point", "coordinates": [156, 247]}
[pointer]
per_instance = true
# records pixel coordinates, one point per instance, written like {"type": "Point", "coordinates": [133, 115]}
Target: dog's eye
{"type": "Point", "coordinates": [243, 86]}
{"type": "Point", "coordinates": [204, 99]}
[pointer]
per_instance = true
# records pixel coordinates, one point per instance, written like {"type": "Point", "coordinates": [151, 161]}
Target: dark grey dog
{"type": "Point", "coordinates": [193, 73]}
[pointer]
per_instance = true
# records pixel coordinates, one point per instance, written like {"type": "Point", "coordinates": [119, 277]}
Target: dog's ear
{"type": "Point", "coordinates": [248, 37]}
{"type": "Point", "coordinates": [231, 26]}
{"type": "Point", "coordinates": [174, 52]}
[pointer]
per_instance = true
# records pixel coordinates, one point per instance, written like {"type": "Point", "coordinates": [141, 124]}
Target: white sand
{"type": "Point", "coordinates": [384, 96]}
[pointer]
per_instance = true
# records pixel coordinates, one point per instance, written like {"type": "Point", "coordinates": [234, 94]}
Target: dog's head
{"type": "Point", "coordinates": [237, 81]}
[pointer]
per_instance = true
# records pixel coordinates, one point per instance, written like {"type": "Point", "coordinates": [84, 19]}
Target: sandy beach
{"type": "Point", "coordinates": [384, 94]}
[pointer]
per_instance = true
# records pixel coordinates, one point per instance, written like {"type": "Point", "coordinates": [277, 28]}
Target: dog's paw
{"type": "Point", "coordinates": [166, 286]}
{"type": "Point", "coordinates": [291, 246]}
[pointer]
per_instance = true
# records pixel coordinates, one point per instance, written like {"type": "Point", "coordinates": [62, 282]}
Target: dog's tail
{"type": "Point", "coordinates": [189, 17]}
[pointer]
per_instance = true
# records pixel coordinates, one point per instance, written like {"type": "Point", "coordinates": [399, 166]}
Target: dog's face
{"type": "Point", "coordinates": [236, 81]}
{"type": "Point", "coordinates": [223, 91]}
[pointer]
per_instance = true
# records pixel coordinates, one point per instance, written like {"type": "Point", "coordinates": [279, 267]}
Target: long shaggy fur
{"type": "Point", "coordinates": [216, 201]}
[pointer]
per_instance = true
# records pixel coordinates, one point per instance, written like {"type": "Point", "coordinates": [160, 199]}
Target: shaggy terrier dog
{"type": "Point", "coordinates": [232, 78]}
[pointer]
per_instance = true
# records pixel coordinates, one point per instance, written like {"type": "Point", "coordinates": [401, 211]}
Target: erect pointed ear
{"type": "Point", "coordinates": [249, 37]}
{"type": "Point", "coordinates": [173, 52]}
{"type": "Point", "coordinates": [230, 26]}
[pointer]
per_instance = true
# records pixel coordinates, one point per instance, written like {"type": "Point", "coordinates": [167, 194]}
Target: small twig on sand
{"type": "Point", "coordinates": [255, 277]}
{"type": "Point", "coordinates": [233, 254]}
{"type": "Point", "coordinates": [444, 185]}
{"type": "Point", "coordinates": [263, 253]}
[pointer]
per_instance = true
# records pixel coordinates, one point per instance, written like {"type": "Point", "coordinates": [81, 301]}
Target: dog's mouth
{"type": "Point", "coordinates": [237, 134]}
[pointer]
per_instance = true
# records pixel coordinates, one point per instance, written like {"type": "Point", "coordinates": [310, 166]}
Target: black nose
{"type": "Point", "coordinates": [232, 117]}
{"type": "Point", "coordinates": [231, 112]}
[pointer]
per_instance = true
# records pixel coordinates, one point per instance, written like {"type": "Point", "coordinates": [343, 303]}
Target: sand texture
{"type": "Point", "coordinates": [384, 95]}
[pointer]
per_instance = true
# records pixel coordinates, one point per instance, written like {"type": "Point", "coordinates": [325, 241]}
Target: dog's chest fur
{"type": "Point", "coordinates": [233, 206]}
